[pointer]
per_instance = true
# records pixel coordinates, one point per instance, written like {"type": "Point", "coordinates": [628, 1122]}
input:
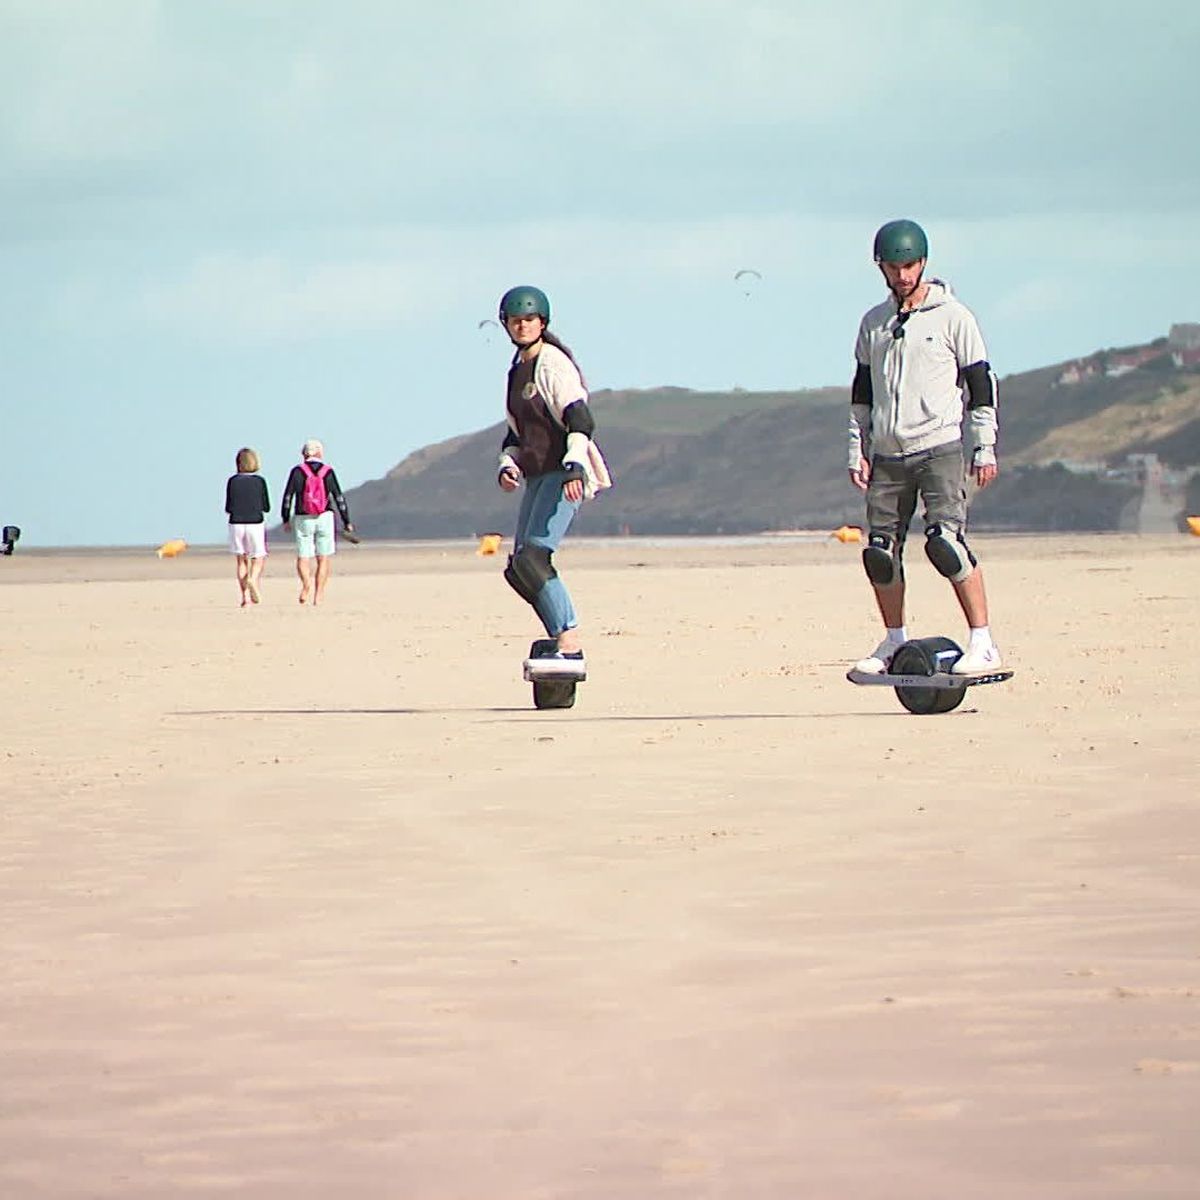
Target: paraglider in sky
{"type": "Point", "coordinates": [748, 278]}
{"type": "Point", "coordinates": [489, 329]}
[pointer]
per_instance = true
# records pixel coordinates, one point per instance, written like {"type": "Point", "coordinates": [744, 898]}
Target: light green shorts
{"type": "Point", "coordinates": [314, 535]}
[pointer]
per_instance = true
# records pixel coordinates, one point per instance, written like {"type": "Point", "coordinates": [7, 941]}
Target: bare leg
{"type": "Point", "coordinates": [568, 641]}
{"type": "Point", "coordinates": [973, 599]}
{"type": "Point", "coordinates": [304, 570]}
{"type": "Point", "coordinates": [242, 574]}
{"type": "Point", "coordinates": [323, 566]}
{"type": "Point", "coordinates": [252, 580]}
{"type": "Point", "coordinates": [890, 598]}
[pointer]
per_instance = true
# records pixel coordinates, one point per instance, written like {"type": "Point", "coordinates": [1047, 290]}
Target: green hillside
{"type": "Point", "coordinates": [742, 462]}
{"type": "Point", "coordinates": [678, 410]}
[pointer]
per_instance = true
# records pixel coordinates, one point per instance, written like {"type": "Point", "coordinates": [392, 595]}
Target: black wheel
{"type": "Point", "coordinates": [927, 656]}
{"type": "Point", "coordinates": [554, 694]}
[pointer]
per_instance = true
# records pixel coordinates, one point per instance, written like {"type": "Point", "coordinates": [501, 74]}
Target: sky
{"type": "Point", "coordinates": [251, 222]}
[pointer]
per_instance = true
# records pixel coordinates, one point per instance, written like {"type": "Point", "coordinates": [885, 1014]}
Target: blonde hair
{"type": "Point", "coordinates": [247, 460]}
{"type": "Point", "coordinates": [312, 449]}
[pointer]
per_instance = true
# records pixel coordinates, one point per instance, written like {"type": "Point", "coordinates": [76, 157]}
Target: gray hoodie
{"type": "Point", "coordinates": [917, 388]}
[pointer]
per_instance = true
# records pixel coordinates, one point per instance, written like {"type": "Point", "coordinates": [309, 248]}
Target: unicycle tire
{"type": "Point", "coordinates": [927, 656]}
{"type": "Point", "coordinates": [554, 694]}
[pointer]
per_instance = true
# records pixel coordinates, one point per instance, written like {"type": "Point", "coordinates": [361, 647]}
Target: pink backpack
{"type": "Point", "coordinates": [314, 499]}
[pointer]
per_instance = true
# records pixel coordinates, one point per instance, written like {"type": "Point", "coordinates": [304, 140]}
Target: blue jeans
{"type": "Point", "coordinates": [543, 519]}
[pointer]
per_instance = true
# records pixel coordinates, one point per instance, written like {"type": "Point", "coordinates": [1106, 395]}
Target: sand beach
{"type": "Point", "coordinates": [305, 903]}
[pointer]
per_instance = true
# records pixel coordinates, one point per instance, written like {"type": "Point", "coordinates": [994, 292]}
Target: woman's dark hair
{"type": "Point", "coordinates": [554, 341]}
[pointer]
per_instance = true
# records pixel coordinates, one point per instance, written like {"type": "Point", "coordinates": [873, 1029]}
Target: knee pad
{"type": "Point", "coordinates": [947, 549]}
{"type": "Point", "coordinates": [514, 581]}
{"type": "Point", "coordinates": [881, 559]}
{"type": "Point", "coordinates": [528, 571]}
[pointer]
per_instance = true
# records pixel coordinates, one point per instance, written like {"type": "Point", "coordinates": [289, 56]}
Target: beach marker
{"type": "Point", "coordinates": [920, 671]}
{"type": "Point", "coordinates": [489, 543]}
{"type": "Point", "coordinates": [172, 548]}
{"type": "Point", "coordinates": [847, 533]}
{"type": "Point", "coordinates": [1194, 525]}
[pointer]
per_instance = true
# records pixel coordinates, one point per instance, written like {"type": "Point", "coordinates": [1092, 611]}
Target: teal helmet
{"type": "Point", "coordinates": [524, 301]}
{"type": "Point", "coordinates": [901, 241]}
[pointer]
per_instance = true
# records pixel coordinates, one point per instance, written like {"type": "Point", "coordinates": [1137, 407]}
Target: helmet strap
{"type": "Point", "coordinates": [522, 349]}
{"type": "Point", "coordinates": [916, 286]}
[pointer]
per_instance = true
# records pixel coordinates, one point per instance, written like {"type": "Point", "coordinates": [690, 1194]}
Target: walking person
{"type": "Point", "coordinates": [548, 447]}
{"type": "Point", "coordinates": [313, 493]}
{"type": "Point", "coordinates": [921, 367]}
{"type": "Point", "coordinates": [247, 504]}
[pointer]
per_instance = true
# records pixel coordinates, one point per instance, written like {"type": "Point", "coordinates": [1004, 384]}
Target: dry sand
{"type": "Point", "coordinates": [311, 903]}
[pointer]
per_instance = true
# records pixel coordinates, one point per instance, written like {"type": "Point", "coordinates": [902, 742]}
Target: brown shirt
{"type": "Point", "coordinates": [542, 441]}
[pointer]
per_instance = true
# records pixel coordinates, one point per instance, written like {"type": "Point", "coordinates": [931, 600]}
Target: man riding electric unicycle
{"type": "Point", "coordinates": [921, 368]}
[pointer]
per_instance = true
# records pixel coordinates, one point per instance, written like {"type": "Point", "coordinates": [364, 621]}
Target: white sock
{"type": "Point", "coordinates": [897, 636]}
{"type": "Point", "coordinates": [981, 637]}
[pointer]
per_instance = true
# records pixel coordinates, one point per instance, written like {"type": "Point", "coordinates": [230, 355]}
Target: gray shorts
{"type": "Point", "coordinates": [938, 476]}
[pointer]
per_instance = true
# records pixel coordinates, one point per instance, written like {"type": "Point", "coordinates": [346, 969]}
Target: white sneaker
{"type": "Point", "coordinates": [877, 662]}
{"type": "Point", "coordinates": [978, 661]}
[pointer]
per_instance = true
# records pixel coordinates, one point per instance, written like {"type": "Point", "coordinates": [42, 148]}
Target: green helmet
{"type": "Point", "coordinates": [524, 301]}
{"type": "Point", "coordinates": [901, 241]}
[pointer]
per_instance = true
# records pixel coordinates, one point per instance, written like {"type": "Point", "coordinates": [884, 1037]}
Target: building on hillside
{"type": "Point", "coordinates": [1184, 337]}
{"type": "Point", "coordinates": [1078, 371]}
{"type": "Point", "coordinates": [1081, 466]}
{"type": "Point", "coordinates": [1186, 357]}
{"type": "Point", "coordinates": [1125, 361]}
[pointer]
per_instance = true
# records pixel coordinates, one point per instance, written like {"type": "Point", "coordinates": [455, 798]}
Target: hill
{"type": "Point", "coordinates": [1080, 444]}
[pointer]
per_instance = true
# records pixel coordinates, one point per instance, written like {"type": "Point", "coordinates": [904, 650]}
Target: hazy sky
{"type": "Point", "coordinates": [248, 222]}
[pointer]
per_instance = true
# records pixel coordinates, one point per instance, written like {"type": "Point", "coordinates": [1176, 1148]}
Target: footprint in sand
{"type": "Point", "coordinates": [1165, 1066]}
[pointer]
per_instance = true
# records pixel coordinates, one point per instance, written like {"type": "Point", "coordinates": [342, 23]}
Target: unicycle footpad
{"type": "Point", "coordinates": [545, 665]}
{"type": "Point", "coordinates": [921, 674]}
{"type": "Point", "coordinates": [553, 678]}
{"type": "Point", "coordinates": [943, 680]}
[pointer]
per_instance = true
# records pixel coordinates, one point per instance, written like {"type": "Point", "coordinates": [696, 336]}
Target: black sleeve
{"type": "Point", "coordinates": [290, 492]}
{"type": "Point", "coordinates": [980, 384]}
{"type": "Point", "coordinates": [229, 496]}
{"type": "Point", "coordinates": [511, 441]}
{"type": "Point", "coordinates": [861, 390]}
{"type": "Point", "coordinates": [337, 495]}
{"type": "Point", "coordinates": [266, 496]}
{"type": "Point", "coordinates": [577, 418]}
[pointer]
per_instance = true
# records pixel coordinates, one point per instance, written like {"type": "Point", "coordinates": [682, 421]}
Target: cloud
{"type": "Point", "coordinates": [405, 278]}
{"type": "Point", "coordinates": [228, 120]}
{"type": "Point", "coordinates": [224, 297]}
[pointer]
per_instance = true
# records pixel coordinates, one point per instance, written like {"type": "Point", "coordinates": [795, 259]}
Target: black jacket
{"type": "Point", "coordinates": [246, 499]}
{"type": "Point", "coordinates": [334, 497]}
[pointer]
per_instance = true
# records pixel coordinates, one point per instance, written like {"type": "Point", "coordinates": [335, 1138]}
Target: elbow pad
{"type": "Point", "coordinates": [980, 381]}
{"type": "Point", "coordinates": [861, 390]}
{"type": "Point", "coordinates": [577, 418]}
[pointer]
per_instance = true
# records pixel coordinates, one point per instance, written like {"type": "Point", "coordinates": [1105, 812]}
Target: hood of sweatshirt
{"type": "Point", "coordinates": [938, 293]}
